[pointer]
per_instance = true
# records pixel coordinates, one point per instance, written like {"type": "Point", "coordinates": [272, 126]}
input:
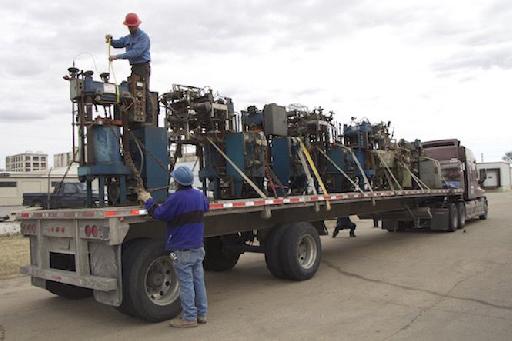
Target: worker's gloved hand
{"type": "Point", "coordinates": [143, 195]}
{"type": "Point", "coordinates": [108, 38]}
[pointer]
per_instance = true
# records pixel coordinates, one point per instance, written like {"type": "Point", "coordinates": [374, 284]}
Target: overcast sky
{"type": "Point", "coordinates": [435, 68]}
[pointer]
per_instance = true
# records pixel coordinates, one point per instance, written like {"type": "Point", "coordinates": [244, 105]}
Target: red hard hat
{"type": "Point", "coordinates": [132, 20]}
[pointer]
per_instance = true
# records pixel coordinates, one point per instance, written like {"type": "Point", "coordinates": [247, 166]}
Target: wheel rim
{"type": "Point", "coordinates": [307, 251]}
{"type": "Point", "coordinates": [160, 282]}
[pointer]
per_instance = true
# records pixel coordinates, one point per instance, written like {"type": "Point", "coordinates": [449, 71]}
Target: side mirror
{"type": "Point", "coordinates": [483, 177]}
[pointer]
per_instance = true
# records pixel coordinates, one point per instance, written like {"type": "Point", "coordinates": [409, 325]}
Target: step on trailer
{"type": "Point", "coordinates": [116, 254]}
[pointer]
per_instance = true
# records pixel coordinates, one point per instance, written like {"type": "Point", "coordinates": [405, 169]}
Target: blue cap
{"type": "Point", "coordinates": [183, 175]}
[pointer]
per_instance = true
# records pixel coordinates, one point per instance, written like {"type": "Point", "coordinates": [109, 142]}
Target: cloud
{"type": "Point", "coordinates": [19, 116]}
{"type": "Point", "coordinates": [473, 59]}
{"type": "Point", "coordinates": [382, 59]}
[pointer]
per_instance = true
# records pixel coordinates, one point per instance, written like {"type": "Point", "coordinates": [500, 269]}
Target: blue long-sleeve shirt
{"type": "Point", "coordinates": [137, 47]}
{"type": "Point", "coordinates": [183, 211]}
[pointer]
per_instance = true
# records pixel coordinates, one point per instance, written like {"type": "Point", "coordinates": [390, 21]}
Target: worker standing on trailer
{"type": "Point", "coordinates": [184, 211]}
{"type": "Point", "coordinates": [137, 46]}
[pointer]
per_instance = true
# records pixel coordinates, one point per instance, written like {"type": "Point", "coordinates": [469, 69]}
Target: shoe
{"type": "Point", "coordinates": [181, 323]}
{"type": "Point", "coordinates": [335, 232]}
{"type": "Point", "coordinates": [352, 234]}
{"type": "Point", "coordinates": [202, 320]}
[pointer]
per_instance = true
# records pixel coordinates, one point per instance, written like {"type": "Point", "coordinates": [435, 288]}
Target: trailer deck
{"type": "Point", "coordinates": [241, 205]}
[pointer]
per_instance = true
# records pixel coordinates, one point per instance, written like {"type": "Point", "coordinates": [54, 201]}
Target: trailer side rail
{"type": "Point", "coordinates": [231, 206]}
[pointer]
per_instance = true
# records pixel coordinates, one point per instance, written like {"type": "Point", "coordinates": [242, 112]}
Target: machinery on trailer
{"type": "Point", "coordinates": [273, 176]}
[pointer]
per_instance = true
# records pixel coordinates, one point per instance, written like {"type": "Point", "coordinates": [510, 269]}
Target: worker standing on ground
{"type": "Point", "coordinates": [183, 211]}
{"type": "Point", "coordinates": [137, 46]}
{"type": "Point", "coordinates": [343, 223]}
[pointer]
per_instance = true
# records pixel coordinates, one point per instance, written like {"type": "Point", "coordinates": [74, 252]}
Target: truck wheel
{"type": "Point", "coordinates": [150, 285]}
{"type": "Point", "coordinates": [68, 291]}
{"type": "Point", "coordinates": [461, 213]}
{"type": "Point", "coordinates": [486, 211]}
{"type": "Point", "coordinates": [453, 217]}
{"type": "Point", "coordinates": [273, 252]}
{"type": "Point", "coordinates": [218, 257]}
{"type": "Point", "coordinates": [301, 251]}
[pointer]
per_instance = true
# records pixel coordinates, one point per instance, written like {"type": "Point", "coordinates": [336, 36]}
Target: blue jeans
{"type": "Point", "coordinates": [189, 269]}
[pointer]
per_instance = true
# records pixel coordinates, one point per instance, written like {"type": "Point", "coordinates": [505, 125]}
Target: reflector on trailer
{"type": "Point", "coordinates": [109, 214]}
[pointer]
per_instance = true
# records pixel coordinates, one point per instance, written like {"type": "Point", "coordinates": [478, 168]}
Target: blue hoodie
{"type": "Point", "coordinates": [184, 213]}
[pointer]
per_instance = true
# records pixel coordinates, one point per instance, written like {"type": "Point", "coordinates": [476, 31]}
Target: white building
{"type": "Point", "coordinates": [497, 175]}
{"type": "Point", "coordinates": [14, 184]}
{"type": "Point", "coordinates": [64, 159]}
{"type": "Point", "coordinates": [26, 162]}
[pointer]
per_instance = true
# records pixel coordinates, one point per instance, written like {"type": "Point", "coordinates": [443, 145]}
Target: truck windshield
{"type": "Point", "coordinates": [452, 173]}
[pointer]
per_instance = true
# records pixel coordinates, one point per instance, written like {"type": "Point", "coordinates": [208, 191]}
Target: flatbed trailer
{"type": "Point", "coordinates": [116, 253]}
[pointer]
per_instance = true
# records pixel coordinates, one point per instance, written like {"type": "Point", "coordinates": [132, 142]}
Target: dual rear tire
{"type": "Point", "coordinates": [150, 285]}
{"type": "Point", "coordinates": [453, 217]}
{"type": "Point", "coordinates": [461, 213]}
{"type": "Point", "coordinates": [293, 251]}
{"type": "Point", "coordinates": [221, 253]}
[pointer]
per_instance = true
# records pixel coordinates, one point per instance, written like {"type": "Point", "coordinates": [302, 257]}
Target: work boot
{"type": "Point", "coordinates": [181, 323]}
{"type": "Point", "coordinates": [202, 320]}
{"type": "Point", "coordinates": [335, 232]}
{"type": "Point", "coordinates": [352, 233]}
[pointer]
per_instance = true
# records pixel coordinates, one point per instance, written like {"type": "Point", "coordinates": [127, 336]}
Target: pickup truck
{"type": "Point", "coordinates": [65, 195]}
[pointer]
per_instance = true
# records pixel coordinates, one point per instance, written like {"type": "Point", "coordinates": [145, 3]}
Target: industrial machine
{"type": "Point", "coordinates": [277, 150]}
{"type": "Point", "coordinates": [121, 147]}
{"type": "Point", "coordinates": [357, 137]}
{"type": "Point", "coordinates": [378, 160]}
{"type": "Point", "coordinates": [199, 118]}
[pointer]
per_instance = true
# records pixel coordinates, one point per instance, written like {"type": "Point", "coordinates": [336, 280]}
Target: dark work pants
{"type": "Point", "coordinates": [144, 71]}
{"type": "Point", "coordinates": [343, 223]}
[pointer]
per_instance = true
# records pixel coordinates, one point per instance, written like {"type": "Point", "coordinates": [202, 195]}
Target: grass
{"type": "Point", "coordinates": [14, 253]}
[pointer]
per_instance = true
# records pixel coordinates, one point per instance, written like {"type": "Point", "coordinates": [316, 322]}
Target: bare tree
{"type": "Point", "coordinates": [507, 157]}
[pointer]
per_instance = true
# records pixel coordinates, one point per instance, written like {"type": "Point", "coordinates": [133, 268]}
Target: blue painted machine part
{"type": "Point", "coordinates": [336, 154]}
{"type": "Point", "coordinates": [103, 144]}
{"type": "Point", "coordinates": [234, 149]}
{"type": "Point", "coordinates": [253, 119]}
{"type": "Point", "coordinates": [104, 92]}
{"type": "Point", "coordinates": [281, 159]}
{"type": "Point", "coordinates": [155, 165]}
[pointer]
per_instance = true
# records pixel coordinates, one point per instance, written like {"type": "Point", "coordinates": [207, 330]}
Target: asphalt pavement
{"type": "Point", "coordinates": [378, 286]}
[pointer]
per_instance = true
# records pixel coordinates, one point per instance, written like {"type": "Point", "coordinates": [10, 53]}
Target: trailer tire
{"type": "Point", "coordinates": [273, 252]}
{"type": "Point", "coordinates": [147, 269]}
{"type": "Point", "coordinates": [218, 257]}
{"type": "Point", "coordinates": [453, 217]}
{"type": "Point", "coordinates": [128, 252]}
{"type": "Point", "coordinates": [68, 291]}
{"type": "Point", "coordinates": [301, 251]}
{"type": "Point", "coordinates": [461, 214]}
